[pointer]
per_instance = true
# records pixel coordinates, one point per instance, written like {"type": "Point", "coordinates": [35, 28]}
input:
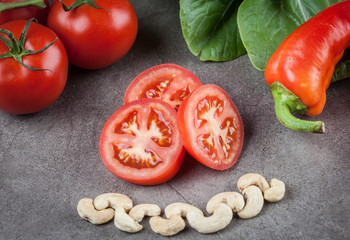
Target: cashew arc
{"type": "Point", "coordinates": [234, 200]}
{"type": "Point", "coordinates": [121, 204]}
{"type": "Point", "coordinates": [174, 222]}
{"type": "Point", "coordinates": [252, 179]}
{"type": "Point", "coordinates": [181, 209]}
{"type": "Point", "coordinates": [87, 211]}
{"type": "Point", "coordinates": [167, 227]}
{"type": "Point", "coordinates": [139, 211]}
{"type": "Point", "coordinates": [276, 192]}
{"type": "Point", "coordinates": [254, 204]}
{"type": "Point", "coordinates": [112, 200]}
{"type": "Point", "coordinates": [221, 217]}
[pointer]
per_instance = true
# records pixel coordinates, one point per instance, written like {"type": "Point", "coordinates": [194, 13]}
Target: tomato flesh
{"type": "Point", "coordinates": [140, 142]}
{"type": "Point", "coordinates": [168, 82]}
{"type": "Point", "coordinates": [211, 127]}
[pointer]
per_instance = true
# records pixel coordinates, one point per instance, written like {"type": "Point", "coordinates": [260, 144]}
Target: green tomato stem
{"type": "Point", "coordinates": [28, 3]}
{"type": "Point", "coordinates": [287, 103]}
{"type": "Point", "coordinates": [16, 48]}
{"type": "Point", "coordinates": [78, 3]}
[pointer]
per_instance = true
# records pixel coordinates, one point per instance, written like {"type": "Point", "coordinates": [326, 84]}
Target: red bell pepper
{"type": "Point", "coordinates": [300, 71]}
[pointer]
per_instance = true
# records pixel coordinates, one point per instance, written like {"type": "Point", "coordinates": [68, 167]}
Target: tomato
{"type": "Point", "coordinates": [211, 127]}
{"type": "Point", "coordinates": [168, 82]}
{"type": "Point", "coordinates": [140, 142]}
{"type": "Point", "coordinates": [26, 91]}
{"type": "Point", "coordinates": [94, 37]}
{"type": "Point", "coordinates": [24, 13]}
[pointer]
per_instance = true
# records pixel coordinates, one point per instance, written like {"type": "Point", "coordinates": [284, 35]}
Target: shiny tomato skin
{"type": "Point", "coordinates": [148, 81]}
{"type": "Point", "coordinates": [25, 91]}
{"type": "Point", "coordinates": [187, 121]}
{"type": "Point", "coordinates": [25, 13]}
{"type": "Point", "coordinates": [95, 38]}
{"type": "Point", "coordinates": [172, 156]}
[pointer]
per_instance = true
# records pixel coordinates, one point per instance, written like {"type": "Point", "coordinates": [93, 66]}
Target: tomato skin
{"type": "Point", "coordinates": [173, 156]}
{"type": "Point", "coordinates": [95, 38]}
{"type": "Point", "coordinates": [25, 91]}
{"type": "Point", "coordinates": [24, 13]}
{"type": "Point", "coordinates": [180, 77]}
{"type": "Point", "coordinates": [188, 132]}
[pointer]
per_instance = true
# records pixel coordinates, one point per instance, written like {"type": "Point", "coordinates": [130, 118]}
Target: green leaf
{"type": "Point", "coordinates": [342, 68]}
{"type": "Point", "coordinates": [210, 29]}
{"type": "Point", "coordinates": [264, 24]}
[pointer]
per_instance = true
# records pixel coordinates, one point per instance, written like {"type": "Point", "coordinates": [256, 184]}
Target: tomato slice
{"type": "Point", "coordinates": [211, 127]}
{"type": "Point", "coordinates": [140, 143]}
{"type": "Point", "coordinates": [168, 82]}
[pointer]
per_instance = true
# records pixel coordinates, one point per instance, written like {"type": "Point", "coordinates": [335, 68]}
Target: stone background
{"type": "Point", "coordinates": [50, 160]}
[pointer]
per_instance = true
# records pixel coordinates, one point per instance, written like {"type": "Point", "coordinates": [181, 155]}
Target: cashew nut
{"type": "Point", "coordinates": [139, 211]}
{"type": "Point", "coordinates": [174, 224]}
{"type": "Point", "coordinates": [234, 200]}
{"type": "Point", "coordinates": [181, 209]}
{"type": "Point", "coordinates": [253, 186]}
{"type": "Point", "coordinates": [252, 179]}
{"type": "Point", "coordinates": [87, 211]}
{"type": "Point", "coordinates": [254, 204]}
{"type": "Point", "coordinates": [167, 227]}
{"type": "Point", "coordinates": [221, 217]}
{"type": "Point", "coordinates": [121, 204]}
{"type": "Point", "coordinates": [276, 192]}
{"type": "Point", "coordinates": [112, 200]}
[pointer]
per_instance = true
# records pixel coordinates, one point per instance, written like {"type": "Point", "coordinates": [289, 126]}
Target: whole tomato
{"type": "Point", "coordinates": [94, 36]}
{"type": "Point", "coordinates": [33, 81]}
{"type": "Point", "coordinates": [24, 13]}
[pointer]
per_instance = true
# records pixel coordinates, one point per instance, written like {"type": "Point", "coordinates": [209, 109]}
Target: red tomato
{"type": "Point", "coordinates": [140, 142]}
{"type": "Point", "coordinates": [24, 13]}
{"type": "Point", "coordinates": [211, 127]}
{"type": "Point", "coordinates": [168, 82]}
{"type": "Point", "coordinates": [26, 91]}
{"type": "Point", "coordinates": [94, 38]}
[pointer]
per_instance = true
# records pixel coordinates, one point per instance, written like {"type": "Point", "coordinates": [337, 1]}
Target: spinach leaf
{"type": "Point", "coordinates": [264, 24]}
{"type": "Point", "coordinates": [342, 68]}
{"type": "Point", "coordinates": [210, 28]}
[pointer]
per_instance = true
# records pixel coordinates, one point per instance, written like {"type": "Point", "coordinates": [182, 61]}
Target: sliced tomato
{"type": "Point", "coordinates": [211, 127]}
{"type": "Point", "coordinates": [140, 143]}
{"type": "Point", "coordinates": [168, 82]}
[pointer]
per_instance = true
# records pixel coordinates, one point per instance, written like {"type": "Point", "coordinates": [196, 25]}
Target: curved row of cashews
{"type": "Point", "coordinates": [127, 217]}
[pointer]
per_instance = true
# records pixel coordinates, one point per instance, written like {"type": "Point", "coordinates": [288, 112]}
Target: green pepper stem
{"type": "Point", "coordinates": [287, 103]}
{"type": "Point", "coordinates": [28, 3]}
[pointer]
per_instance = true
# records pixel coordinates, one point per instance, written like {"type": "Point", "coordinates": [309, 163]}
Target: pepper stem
{"type": "Point", "coordinates": [287, 103]}
{"type": "Point", "coordinates": [28, 3]}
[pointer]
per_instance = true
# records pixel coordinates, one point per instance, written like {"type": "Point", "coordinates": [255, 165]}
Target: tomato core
{"type": "Point", "coordinates": [140, 143]}
{"type": "Point", "coordinates": [219, 133]}
{"type": "Point", "coordinates": [137, 154]}
{"type": "Point", "coordinates": [158, 89]}
{"type": "Point", "coordinates": [210, 127]}
{"type": "Point", "coordinates": [168, 82]}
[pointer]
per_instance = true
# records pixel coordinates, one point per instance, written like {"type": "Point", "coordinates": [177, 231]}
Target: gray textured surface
{"type": "Point", "coordinates": [50, 160]}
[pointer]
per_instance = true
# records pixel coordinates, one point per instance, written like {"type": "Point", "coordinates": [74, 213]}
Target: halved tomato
{"type": "Point", "coordinates": [140, 143]}
{"type": "Point", "coordinates": [211, 127]}
{"type": "Point", "coordinates": [168, 82]}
